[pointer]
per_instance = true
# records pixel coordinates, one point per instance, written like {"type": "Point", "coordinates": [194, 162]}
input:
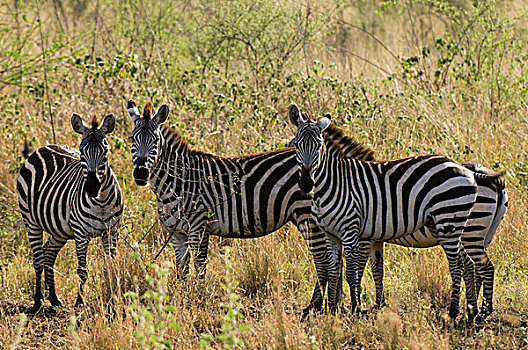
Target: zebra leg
{"type": "Point", "coordinates": [485, 274]}
{"type": "Point", "coordinates": [35, 235]}
{"type": "Point", "coordinates": [351, 247]}
{"type": "Point", "coordinates": [334, 272]}
{"type": "Point", "coordinates": [109, 240]}
{"type": "Point", "coordinates": [484, 270]}
{"type": "Point", "coordinates": [452, 248]}
{"type": "Point", "coordinates": [81, 247]}
{"type": "Point", "coordinates": [198, 244]}
{"type": "Point", "coordinates": [376, 264]}
{"type": "Point", "coordinates": [469, 278]}
{"type": "Point", "coordinates": [179, 241]}
{"type": "Point", "coordinates": [51, 250]}
{"type": "Point", "coordinates": [316, 241]}
{"type": "Point", "coordinates": [364, 251]}
{"type": "Point", "coordinates": [488, 276]}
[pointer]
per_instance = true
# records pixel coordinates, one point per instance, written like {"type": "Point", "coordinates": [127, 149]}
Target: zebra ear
{"type": "Point", "coordinates": [295, 115]}
{"type": "Point", "coordinates": [292, 143]}
{"type": "Point", "coordinates": [324, 122]}
{"type": "Point", "coordinates": [162, 114]}
{"type": "Point", "coordinates": [77, 124]}
{"type": "Point", "coordinates": [108, 124]}
{"type": "Point", "coordinates": [133, 111]}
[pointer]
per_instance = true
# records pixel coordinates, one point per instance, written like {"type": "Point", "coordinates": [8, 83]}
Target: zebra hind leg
{"type": "Point", "coordinates": [485, 275]}
{"type": "Point", "coordinates": [35, 235]}
{"type": "Point", "coordinates": [51, 250]}
{"type": "Point", "coordinates": [469, 278]}
{"type": "Point", "coordinates": [376, 262]}
{"type": "Point", "coordinates": [456, 259]}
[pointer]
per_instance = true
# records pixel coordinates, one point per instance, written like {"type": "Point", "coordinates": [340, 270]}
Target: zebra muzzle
{"type": "Point", "coordinates": [306, 183]}
{"type": "Point", "coordinates": [141, 175]}
{"type": "Point", "coordinates": [92, 185]}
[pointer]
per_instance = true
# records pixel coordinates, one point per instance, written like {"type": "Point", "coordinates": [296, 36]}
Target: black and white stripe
{"type": "Point", "coordinates": [70, 195]}
{"type": "Point", "coordinates": [381, 201]}
{"type": "Point", "coordinates": [488, 211]}
{"type": "Point", "coordinates": [200, 194]}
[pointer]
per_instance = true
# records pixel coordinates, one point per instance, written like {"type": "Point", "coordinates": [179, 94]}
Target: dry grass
{"type": "Point", "coordinates": [255, 290]}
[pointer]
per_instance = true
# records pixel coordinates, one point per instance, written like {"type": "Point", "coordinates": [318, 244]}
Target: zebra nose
{"type": "Point", "coordinates": [141, 161]}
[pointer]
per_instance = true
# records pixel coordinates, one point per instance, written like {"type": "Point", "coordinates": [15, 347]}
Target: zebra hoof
{"type": "Point", "coordinates": [479, 319]}
{"type": "Point", "coordinates": [315, 307]}
{"type": "Point", "coordinates": [55, 302]}
{"type": "Point", "coordinates": [36, 307]}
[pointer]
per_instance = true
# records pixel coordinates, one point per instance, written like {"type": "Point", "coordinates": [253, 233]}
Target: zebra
{"type": "Point", "coordinates": [489, 210]}
{"type": "Point", "coordinates": [199, 194]}
{"type": "Point", "coordinates": [380, 201]}
{"type": "Point", "coordinates": [71, 195]}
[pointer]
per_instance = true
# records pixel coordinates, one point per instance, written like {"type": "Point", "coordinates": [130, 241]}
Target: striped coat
{"type": "Point", "coordinates": [379, 201]}
{"type": "Point", "coordinates": [71, 195]}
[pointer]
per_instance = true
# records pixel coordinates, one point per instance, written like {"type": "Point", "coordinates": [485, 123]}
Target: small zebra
{"type": "Point", "coordinates": [200, 194]}
{"type": "Point", "coordinates": [381, 201]}
{"type": "Point", "coordinates": [70, 195]}
{"type": "Point", "coordinates": [489, 210]}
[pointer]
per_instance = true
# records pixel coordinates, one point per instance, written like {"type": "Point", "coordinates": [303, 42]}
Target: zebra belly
{"type": "Point", "coordinates": [423, 238]}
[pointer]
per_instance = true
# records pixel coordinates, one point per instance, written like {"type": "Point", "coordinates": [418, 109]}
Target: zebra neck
{"type": "Point", "coordinates": [106, 188]}
{"type": "Point", "coordinates": [173, 167]}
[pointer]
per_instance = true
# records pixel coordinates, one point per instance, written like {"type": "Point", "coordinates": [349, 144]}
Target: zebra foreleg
{"type": "Point", "coordinates": [81, 247]}
{"type": "Point", "coordinates": [35, 240]}
{"type": "Point", "coordinates": [109, 240]}
{"type": "Point", "coordinates": [199, 244]}
{"type": "Point", "coordinates": [335, 273]}
{"type": "Point", "coordinates": [351, 247]}
{"type": "Point", "coordinates": [316, 240]}
{"type": "Point", "coordinates": [181, 249]}
{"type": "Point", "coordinates": [51, 250]}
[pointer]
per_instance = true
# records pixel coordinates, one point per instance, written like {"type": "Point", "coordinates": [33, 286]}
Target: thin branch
{"type": "Point", "coordinates": [46, 87]}
{"type": "Point", "coordinates": [358, 57]}
{"type": "Point", "coordinates": [157, 50]}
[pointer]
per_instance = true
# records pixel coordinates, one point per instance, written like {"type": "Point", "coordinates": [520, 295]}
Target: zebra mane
{"type": "Point", "coordinates": [147, 111]}
{"type": "Point", "coordinates": [95, 122]}
{"type": "Point", "coordinates": [175, 139]}
{"type": "Point", "coordinates": [348, 147]}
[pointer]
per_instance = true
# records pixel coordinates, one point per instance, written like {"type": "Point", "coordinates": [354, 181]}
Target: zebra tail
{"type": "Point", "coordinates": [26, 152]}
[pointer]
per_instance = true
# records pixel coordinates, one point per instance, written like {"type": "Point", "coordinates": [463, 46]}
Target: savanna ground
{"type": "Point", "coordinates": [406, 78]}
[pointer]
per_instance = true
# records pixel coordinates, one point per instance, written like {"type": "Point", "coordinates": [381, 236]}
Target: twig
{"type": "Point", "coordinates": [302, 32]}
{"type": "Point", "coordinates": [167, 96]}
{"type": "Point", "coordinates": [164, 245]}
{"type": "Point", "coordinates": [358, 57]}
{"type": "Point", "coordinates": [45, 73]}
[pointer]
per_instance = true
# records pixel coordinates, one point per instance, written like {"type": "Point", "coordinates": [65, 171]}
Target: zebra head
{"type": "Point", "coordinates": [94, 150]}
{"type": "Point", "coordinates": [309, 145]}
{"type": "Point", "coordinates": [146, 138]}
